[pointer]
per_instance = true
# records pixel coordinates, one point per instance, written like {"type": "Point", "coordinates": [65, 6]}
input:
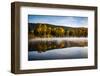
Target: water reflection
{"type": "Point", "coordinates": [64, 53]}
{"type": "Point", "coordinates": [43, 46]}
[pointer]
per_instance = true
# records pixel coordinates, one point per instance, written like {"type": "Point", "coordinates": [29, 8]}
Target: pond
{"type": "Point", "coordinates": [57, 49]}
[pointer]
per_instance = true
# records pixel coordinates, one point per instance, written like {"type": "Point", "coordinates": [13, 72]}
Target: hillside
{"type": "Point", "coordinates": [50, 30]}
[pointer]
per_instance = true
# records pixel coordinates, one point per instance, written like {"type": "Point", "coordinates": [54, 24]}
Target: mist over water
{"type": "Point", "coordinates": [60, 48]}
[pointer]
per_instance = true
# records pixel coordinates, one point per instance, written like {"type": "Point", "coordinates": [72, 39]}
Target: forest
{"type": "Point", "coordinates": [43, 30]}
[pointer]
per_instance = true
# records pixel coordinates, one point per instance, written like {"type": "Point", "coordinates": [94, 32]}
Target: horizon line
{"type": "Point", "coordinates": [64, 25]}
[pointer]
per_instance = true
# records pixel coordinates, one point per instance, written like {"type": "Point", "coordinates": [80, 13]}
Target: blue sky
{"type": "Point", "coordinates": [72, 21]}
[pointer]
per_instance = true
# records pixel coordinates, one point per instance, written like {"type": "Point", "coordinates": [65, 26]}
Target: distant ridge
{"type": "Point", "coordinates": [52, 25]}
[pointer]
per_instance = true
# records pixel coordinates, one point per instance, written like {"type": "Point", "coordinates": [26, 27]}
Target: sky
{"type": "Point", "coordinates": [72, 21]}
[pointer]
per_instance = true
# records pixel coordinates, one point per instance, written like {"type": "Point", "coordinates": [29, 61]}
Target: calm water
{"type": "Point", "coordinates": [65, 53]}
{"type": "Point", "coordinates": [57, 49]}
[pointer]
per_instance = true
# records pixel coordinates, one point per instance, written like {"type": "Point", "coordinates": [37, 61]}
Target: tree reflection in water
{"type": "Point", "coordinates": [43, 46]}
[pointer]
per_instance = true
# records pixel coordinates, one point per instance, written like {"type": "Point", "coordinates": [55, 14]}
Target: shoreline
{"type": "Point", "coordinates": [60, 39]}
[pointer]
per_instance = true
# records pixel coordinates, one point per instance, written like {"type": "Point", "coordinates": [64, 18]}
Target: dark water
{"type": "Point", "coordinates": [48, 50]}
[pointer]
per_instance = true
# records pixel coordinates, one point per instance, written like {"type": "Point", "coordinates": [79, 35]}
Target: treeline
{"type": "Point", "coordinates": [48, 30]}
